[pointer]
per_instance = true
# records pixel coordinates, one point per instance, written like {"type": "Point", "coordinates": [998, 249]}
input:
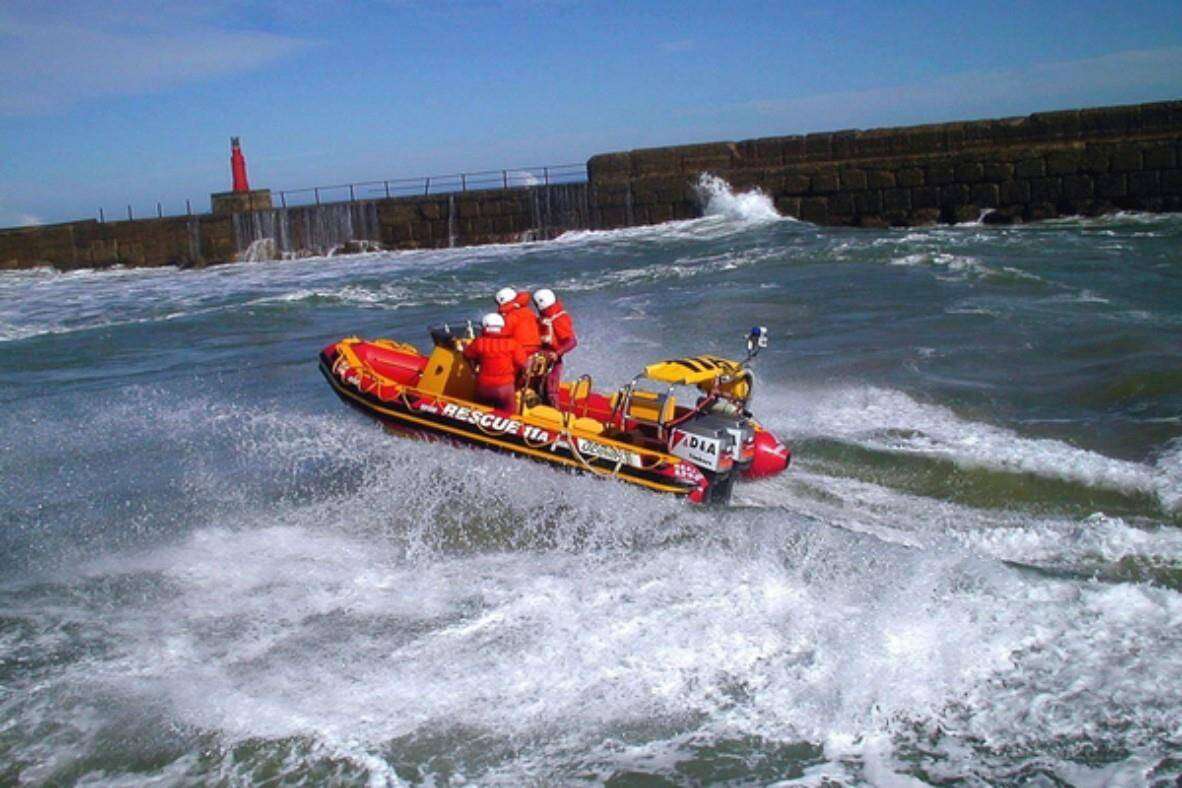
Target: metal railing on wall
{"type": "Point", "coordinates": [426, 185]}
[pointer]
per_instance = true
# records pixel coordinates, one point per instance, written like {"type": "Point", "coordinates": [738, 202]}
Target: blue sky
{"type": "Point", "coordinates": [102, 104]}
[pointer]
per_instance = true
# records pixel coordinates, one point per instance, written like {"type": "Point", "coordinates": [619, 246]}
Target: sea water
{"type": "Point", "coordinates": [211, 570]}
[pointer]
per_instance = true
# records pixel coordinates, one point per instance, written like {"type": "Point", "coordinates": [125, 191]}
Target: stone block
{"type": "Point", "coordinates": [240, 202]}
{"type": "Point", "coordinates": [1046, 189]}
{"type": "Point", "coordinates": [1056, 125]}
{"type": "Point", "coordinates": [842, 144]}
{"type": "Point", "coordinates": [868, 202]}
{"type": "Point", "coordinates": [1078, 188]}
{"type": "Point", "coordinates": [613, 216]}
{"type": "Point", "coordinates": [609, 166]}
{"type": "Point", "coordinates": [923, 217]}
{"type": "Point", "coordinates": [925, 197]}
{"type": "Point", "coordinates": [1009, 130]}
{"type": "Point", "coordinates": [1171, 182]}
{"type": "Point", "coordinates": [896, 200]}
{"type": "Point", "coordinates": [1096, 158]}
{"type": "Point", "coordinates": [824, 182]}
{"type": "Point", "coordinates": [969, 172]}
{"type": "Point", "coordinates": [841, 204]}
{"type": "Point", "coordinates": [792, 149]}
{"type": "Point", "coordinates": [1156, 117]}
{"type": "Point", "coordinates": [1110, 121]}
{"type": "Point", "coordinates": [815, 210]}
{"type": "Point", "coordinates": [954, 135]}
{"type": "Point", "coordinates": [939, 174]}
{"type": "Point", "coordinates": [852, 180]}
{"type": "Point", "coordinates": [880, 179]}
{"type": "Point", "coordinates": [906, 177]}
{"type": "Point", "coordinates": [466, 209]}
{"type": "Point", "coordinates": [985, 195]}
{"type": "Point", "coordinates": [925, 139]}
{"type": "Point", "coordinates": [965, 213]}
{"type": "Point", "coordinates": [660, 213]}
{"type": "Point", "coordinates": [873, 221]}
{"type": "Point", "coordinates": [1014, 192]}
{"type": "Point", "coordinates": [1112, 184]}
{"type": "Point", "coordinates": [654, 161]}
{"type": "Point", "coordinates": [795, 183]}
{"type": "Point", "coordinates": [1030, 168]}
{"type": "Point", "coordinates": [1041, 211]}
{"type": "Point", "coordinates": [954, 195]}
{"type": "Point", "coordinates": [788, 206]}
{"type": "Point", "coordinates": [1127, 158]}
{"type": "Point", "coordinates": [764, 152]}
{"type": "Point", "coordinates": [1065, 161]}
{"type": "Point", "coordinates": [818, 147]}
{"type": "Point", "coordinates": [1144, 184]}
{"type": "Point", "coordinates": [876, 142]}
{"type": "Point", "coordinates": [1158, 156]}
{"type": "Point", "coordinates": [716, 165]}
{"type": "Point", "coordinates": [997, 171]}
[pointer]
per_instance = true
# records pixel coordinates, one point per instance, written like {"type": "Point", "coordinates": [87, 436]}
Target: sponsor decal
{"type": "Point", "coordinates": [697, 449]}
{"type": "Point", "coordinates": [609, 453]}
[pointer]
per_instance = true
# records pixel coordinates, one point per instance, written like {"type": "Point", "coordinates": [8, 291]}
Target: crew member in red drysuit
{"type": "Point", "coordinates": [499, 358]}
{"type": "Point", "coordinates": [558, 339]}
{"type": "Point", "coordinates": [520, 322]}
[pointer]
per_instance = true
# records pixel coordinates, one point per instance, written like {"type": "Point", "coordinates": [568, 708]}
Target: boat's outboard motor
{"type": "Point", "coordinates": [721, 446]}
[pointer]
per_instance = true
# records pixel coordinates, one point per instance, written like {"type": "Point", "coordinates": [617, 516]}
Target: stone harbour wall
{"type": "Point", "coordinates": [1048, 164]}
{"type": "Point", "coordinates": [1088, 161]}
{"type": "Point", "coordinates": [185, 240]}
{"type": "Point", "coordinates": [434, 221]}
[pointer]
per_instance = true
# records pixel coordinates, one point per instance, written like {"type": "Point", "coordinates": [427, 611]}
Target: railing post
{"type": "Point", "coordinates": [129, 213]}
{"type": "Point", "coordinates": [463, 182]}
{"type": "Point", "coordinates": [505, 178]}
{"type": "Point", "coordinates": [427, 186]}
{"type": "Point", "coordinates": [352, 197]}
{"type": "Point", "coordinates": [387, 189]}
{"type": "Point", "coordinates": [188, 207]}
{"type": "Point", "coordinates": [316, 190]}
{"type": "Point", "coordinates": [102, 218]}
{"type": "Point", "coordinates": [283, 199]}
{"type": "Point", "coordinates": [159, 211]}
{"type": "Point", "coordinates": [546, 175]}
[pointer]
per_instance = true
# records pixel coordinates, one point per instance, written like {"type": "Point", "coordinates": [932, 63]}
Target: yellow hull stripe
{"type": "Point", "coordinates": [548, 457]}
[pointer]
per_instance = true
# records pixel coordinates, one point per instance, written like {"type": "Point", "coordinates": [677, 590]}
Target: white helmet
{"type": "Point", "coordinates": [493, 323]}
{"type": "Point", "coordinates": [544, 298]}
{"type": "Point", "coordinates": [505, 295]}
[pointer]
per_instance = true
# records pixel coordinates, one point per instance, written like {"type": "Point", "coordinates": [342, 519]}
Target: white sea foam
{"type": "Point", "coordinates": [719, 199]}
{"type": "Point", "coordinates": [889, 420]}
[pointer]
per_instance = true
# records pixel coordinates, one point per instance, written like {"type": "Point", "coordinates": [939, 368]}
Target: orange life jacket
{"type": "Point", "coordinates": [521, 324]}
{"type": "Point", "coordinates": [499, 358]}
{"type": "Point", "coordinates": [557, 330]}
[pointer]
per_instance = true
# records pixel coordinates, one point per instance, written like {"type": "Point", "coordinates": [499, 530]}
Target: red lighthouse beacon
{"type": "Point", "coordinates": [238, 166]}
{"type": "Point", "coordinates": [241, 199]}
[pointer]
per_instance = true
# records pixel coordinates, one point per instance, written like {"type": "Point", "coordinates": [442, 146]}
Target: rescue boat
{"type": "Point", "coordinates": [640, 434]}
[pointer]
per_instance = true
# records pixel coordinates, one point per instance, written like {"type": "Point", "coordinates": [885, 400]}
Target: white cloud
{"type": "Point", "coordinates": [1120, 77]}
{"type": "Point", "coordinates": [49, 62]}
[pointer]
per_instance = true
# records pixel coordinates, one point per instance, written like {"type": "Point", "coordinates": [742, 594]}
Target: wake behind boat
{"type": "Point", "coordinates": [639, 434]}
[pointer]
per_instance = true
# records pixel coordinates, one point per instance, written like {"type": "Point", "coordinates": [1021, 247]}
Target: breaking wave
{"type": "Point", "coordinates": [719, 199]}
